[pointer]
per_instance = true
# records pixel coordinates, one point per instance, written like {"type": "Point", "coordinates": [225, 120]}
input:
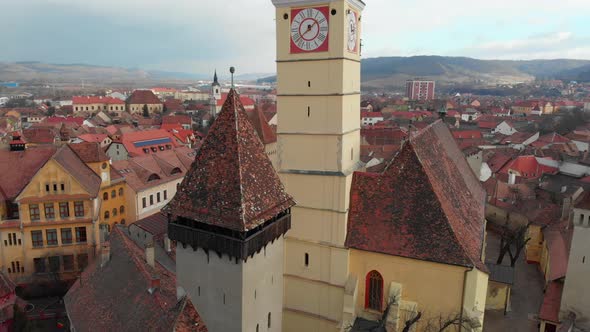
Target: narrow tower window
{"type": "Point", "coordinates": [199, 290]}
{"type": "Point", "coordinates": [308, 111]}
{"type": "Point", "coordinates": [309, 84]}
{"type": "Point", "coordinates": [583, 259]}
{"type": "Point", "coordinates": [269, 320]}
{"type": "Point", "coordinates": [306, 259]}
{"type": "Point", "coordinates": [223, 298]}
{"type": "Point", "coordinates": [257, 328]}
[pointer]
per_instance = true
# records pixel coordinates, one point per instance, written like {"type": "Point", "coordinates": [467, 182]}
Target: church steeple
{"type": "Point", "coordinates": [215, 81]}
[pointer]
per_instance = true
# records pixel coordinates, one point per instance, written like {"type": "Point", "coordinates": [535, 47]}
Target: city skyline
{"type": "Point", "coordinates": [197, 37]}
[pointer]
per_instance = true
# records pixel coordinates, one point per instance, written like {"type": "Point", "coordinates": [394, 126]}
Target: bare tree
{"type": "Point", "coordinates": [512, 242]}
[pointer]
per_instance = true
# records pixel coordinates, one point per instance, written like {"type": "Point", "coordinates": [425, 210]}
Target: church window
{"type": "Point", "coordinates": [306, 259]}
{"type": "Point", "coordinates": [374, 291]}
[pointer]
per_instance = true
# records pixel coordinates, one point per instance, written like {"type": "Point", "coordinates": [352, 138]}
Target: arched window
{"type": "Point", "coordinates": [113, 194]}
{"type": "Point", "coordinates": [374, 291]}
{"type": "Point", "coordinates": [122, 209]}
{"type": "Point", "coordinates": [122, 221]}
{"type": "Point", "coordinates": [105, 196]}
{"type": "Point", "coordinates": [269, 320]}
{"type": "Point", "coordinates": [120, 191]}
{"type": "Point", "coordinates": [115, 212]}
{"type": "Point", "coordinates": [582, 219]}
{"type": "Point", "coordinates": [106, 215]}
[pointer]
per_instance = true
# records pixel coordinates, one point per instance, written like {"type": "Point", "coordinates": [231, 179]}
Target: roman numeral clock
{"type": "Point", "coordinates": [309, 29]}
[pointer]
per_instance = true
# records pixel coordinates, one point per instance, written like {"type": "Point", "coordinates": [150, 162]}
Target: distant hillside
{"type": "Point", "coordinates": [70, 73]}
{"type": "Point", "coordinates": [394, 71]}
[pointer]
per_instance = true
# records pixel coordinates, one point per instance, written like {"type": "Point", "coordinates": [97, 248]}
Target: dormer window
{"type": "Point", "coordinates": [175, 170]}
{"type": "Point", "coordinates": [153, 177]}
{"type": "Point", "coordinates": [146, 150]}
{"type": "Point", "coordinates": [154, 149]}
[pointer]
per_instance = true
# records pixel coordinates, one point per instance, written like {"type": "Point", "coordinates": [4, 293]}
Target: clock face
{"type": "Point", "coordinates": [309, 30]}
{"type": "Point", "coordinates": [352, 24]}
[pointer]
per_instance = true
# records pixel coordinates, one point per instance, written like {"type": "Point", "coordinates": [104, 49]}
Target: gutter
{"type": "Point", "coordinates": [463, 298]}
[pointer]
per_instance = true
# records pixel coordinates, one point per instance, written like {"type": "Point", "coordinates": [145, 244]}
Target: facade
{"type": "Point", "coordinates": [152, 180]}
{"type": "Point", "coordinates": [228, 218]}
{"type": "Point", "coordinates": [51, 204]}
{"type": "Point", "coordinates": [420, 90]}
{"type": "Point", "coordinates": [141, 143]}
{"type": "Point", "coordinates": [142, 99]}
{"type": "Point", "coordinates": [95, 104]}
{"type": "Point", "coordinates": [575, 299]}
{"type": "Point", "coordinates": [318, 99]}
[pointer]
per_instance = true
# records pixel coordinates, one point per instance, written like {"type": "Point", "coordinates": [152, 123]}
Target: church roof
{"type": "Point", "coordinates": [215, 82]}
{"type": "Point", "coordinates": [259, 122]}
{"type": "Point", "coordinates": [426, 205]}
{"type": "Point", "coordinates": [232, 183]}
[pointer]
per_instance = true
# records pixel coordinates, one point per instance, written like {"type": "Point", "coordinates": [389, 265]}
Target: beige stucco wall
{"type": "Point", "coordinates": [141, 212]}
{"type": "Point", "coordinates": [497, 296]}
{"type": "Point", "coordinates": [436, 288]}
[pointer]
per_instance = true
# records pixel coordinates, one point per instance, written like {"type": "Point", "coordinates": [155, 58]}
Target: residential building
{"type": "Point", "coordinates": [127, 289]}
{"type": "Point", "coordinates": [113, 208]}
{"type": "Point", "coordinates": [144, 99]}
{"type": "Point", "coordinates": [95, 104]}
{"type": "Point", "coordinates": [266, 135]}
{"type": "Point", "coordinates": [140, 143]}
{"type": "Point", "coordinates": [102, 139]}
{"type": "Point", "coordinates": [152, 180]}
{"type": "Point", "coordinates": [371, 118]}
{"type": "Point", "coordinates": [230, 214]}
{"type": "Point", "coordinates": [50, 214]}
{"type": "Point", "coordinates": [420, 90]}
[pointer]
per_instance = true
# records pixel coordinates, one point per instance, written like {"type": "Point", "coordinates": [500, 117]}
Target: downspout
{"type": "Point", "coordinates": [463, 298]}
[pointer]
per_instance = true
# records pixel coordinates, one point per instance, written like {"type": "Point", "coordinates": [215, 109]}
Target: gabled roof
{"type": "Point", "coordinates": [156, 224]}
{"type": "Point", "coordinates": [115, 297]}
{"type": "Point", "coordinates": [89, 152]}
{"type": "Point", "coordinates": [527, 167]}
{"type": "Point", "coordinates": [135, 142]}
{"type": "Point", "coordinates": [67, 119]}
{"type": "Point", "coordinates": [232, 183]}
{"type": "Point", "coordinates": [85, 176]}
{"type": "Point", "coordinates": [93, 138]}
{"type": "Point", "coordinates": [14, 179]}
{"type": "Point", "coordinates": [143, 97]}
{"type": "Point", "coordinates": [245, 101]}
{"type": "Point", "coordinates": [39, 135]}
{"type": "Point", "coordinates": [259, 122]}
{"type": "Point", "coordinates": [426, 205]}
{"type": "Point", "coordinates": [176, 119]}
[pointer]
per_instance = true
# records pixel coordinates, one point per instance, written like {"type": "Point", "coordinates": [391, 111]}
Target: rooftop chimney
{"type": "Point", "coordinates": [150, 255]}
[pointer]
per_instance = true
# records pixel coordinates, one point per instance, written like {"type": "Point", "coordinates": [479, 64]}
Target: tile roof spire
{"type": "Point", "coordinates": [232, 183]}
{"type": "Point", "coordinates": [215, 81]}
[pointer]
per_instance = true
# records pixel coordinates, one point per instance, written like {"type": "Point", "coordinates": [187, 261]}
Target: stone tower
{"type": "Point", "coordinates": [228, 218]}
{"type": "Point", "coordinates": [215, 95]}
{"type": "Point", "coordinates": [318, 100]}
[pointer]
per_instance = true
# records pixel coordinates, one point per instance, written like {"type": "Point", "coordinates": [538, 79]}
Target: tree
{"type": "Point", "coordinates": [146, 113]}
{"type": "Point", "coordinates": [512, 242]}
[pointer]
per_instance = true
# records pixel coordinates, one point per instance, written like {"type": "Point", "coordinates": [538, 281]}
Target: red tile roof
{"type": "Point", "coordinates": [488, 124]}
{"type": "Point", "coordinates": [85, 176]}
{"type": "Point", "coordinates": [548, 139]}
{"type": "Point", "coordinates": [143, 97]}
{"type": "Point", "coordinates": [156, 224]}
{"type": "Point", "coordinates": [426, 205]}
{"type": "Point", "coordinates": [69, 119]}
{"type": "Point", "coordinates": [14, 179]}
{"type": "Point", "coordinates": [93, 138]}
{"type": "Point", "coordinates": [517, 138]}
{"type": "Point", "coordinates": [232, 183]}
{"type": "Point", "coordinates": [177, 119]}
{"type": "Point", "coordinates": [89, 152]}
{"type": "Point", "coordinates": [259, 122]}
{"type": "Point", "coordinates": [115, 297]}
{"type": "Point", "coordinates": [371, 115]}
{"type": "Point", "coordinates": [174, 105]}
{"type": "Point", "coordinates": [135, 142]}
{"type": "Point", "coordinates": [86, 100]}
{"type": "Point", "coordinates": [467, 134]}
{"type": "Point", "coordinates": [551, 302]}
{"type": "Point", "coordinates": [527, 167]}
{"type": "Point", "coordinates": [40, 135]}
{"type": "Point", "coordinates": [245, 101]}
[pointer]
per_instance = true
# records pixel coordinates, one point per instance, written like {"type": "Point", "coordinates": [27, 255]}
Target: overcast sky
{"type": "Point", "coordinates": [197, 36]}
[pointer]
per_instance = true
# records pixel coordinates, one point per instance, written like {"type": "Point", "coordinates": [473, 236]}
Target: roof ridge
{"type": "Point", "coordinates": [236, 109]}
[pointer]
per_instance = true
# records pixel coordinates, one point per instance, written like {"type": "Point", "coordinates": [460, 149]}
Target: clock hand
{"type": "Point", "coordinates": [309, 26]}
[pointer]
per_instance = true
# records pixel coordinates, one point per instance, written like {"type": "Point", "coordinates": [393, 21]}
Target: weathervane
{"type": "Point", "coordinates": [232, 70]}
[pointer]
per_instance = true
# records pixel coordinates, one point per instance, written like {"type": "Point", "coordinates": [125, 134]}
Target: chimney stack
{"type": "Point", "coordinates": [150, 255]}
{"type": "Point", "coordinates": [105, 254]}
{"type": "Point", "coordinates": [167, 244]}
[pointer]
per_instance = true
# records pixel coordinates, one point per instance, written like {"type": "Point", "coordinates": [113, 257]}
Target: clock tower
{"type": "Point", "coordinates": [318, 100]}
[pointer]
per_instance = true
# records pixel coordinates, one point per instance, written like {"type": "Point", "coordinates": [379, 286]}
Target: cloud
{"type": "Point", "coordinates": [198, 36]}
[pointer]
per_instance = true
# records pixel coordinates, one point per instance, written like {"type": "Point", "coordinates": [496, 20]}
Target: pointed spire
{"type": "Point", "coordinates": [232, 183]}
{"type": "Point", "coordinates": [215, 81]}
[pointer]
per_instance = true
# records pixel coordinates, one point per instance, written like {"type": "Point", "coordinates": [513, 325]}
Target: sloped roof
{"type": "Point", "coordinates": [117, 294]}
{"type": "Point", "coordinates": [176, 119]}
{"type": "Point", "coordinates": [232, 183]}
{"type": "Point", "coordinates": [259, 122]}
{"type": "Point", "coordinates": [426, 205]}
{"type": "Point", "coordinates": [527, 167]}
{"type": "Point", "coordinates": [143, 97]}
{"type": "Point", "coordinates": [70, 161]}
{"type": "Point", "coordinates": [551, 302]}
{"type": "Point", "coordinates": [14, 179]}
{"type": "Point", "coordinates": [89, 152]}
{"type": "Point", "coordinates": [136, 141]}
{"type": "Point", "coordinates": [156, 224]}
{"type": "Point", "coordinates": [93, 138]}
{"type": "Point", "coordinates": [39, 135]}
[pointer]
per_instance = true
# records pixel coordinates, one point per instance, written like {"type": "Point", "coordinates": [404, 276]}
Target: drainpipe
{"type": "Point", "coordinates": [463, 298]}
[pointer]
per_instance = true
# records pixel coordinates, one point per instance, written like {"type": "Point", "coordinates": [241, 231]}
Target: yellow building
{"type": "Point", "coordinates": [50, 228]}
{"type": "Point", "coordinates": [144, 99]}
{"type": "Point", "coordinates": [113, 208]}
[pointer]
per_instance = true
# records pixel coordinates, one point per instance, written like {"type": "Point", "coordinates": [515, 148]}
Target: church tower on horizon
{"type": "Point", "coordinates": [318, 103]}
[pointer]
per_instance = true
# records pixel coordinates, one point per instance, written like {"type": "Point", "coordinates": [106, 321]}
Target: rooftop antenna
{"type": "Point", "coordinates": [232, 70]}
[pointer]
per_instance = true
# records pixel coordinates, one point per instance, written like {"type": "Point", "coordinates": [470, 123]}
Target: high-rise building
{"type": "Point", "coordinates": [420, 90]}
{"type": "Point", "coordinates": [318, 100]}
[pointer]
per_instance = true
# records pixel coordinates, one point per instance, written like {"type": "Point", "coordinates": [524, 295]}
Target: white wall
{"type": "Point", "coordinates": [576, 293]}
{"type": "Point", "coordinates": [504, 129]}
{"type": "Point", "coordinates": [150, 209]}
